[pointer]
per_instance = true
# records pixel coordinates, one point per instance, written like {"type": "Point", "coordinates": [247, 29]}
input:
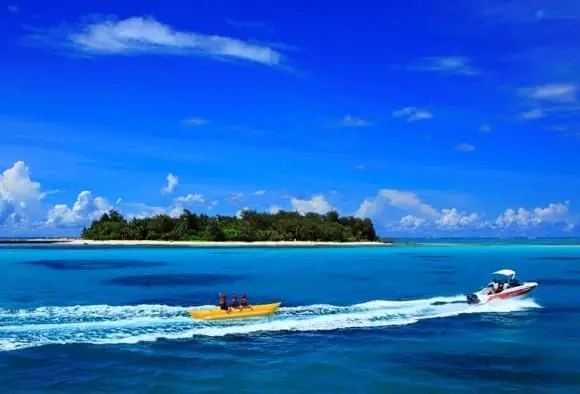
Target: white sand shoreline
{"type": "Point", "coordinates": [82, 242]}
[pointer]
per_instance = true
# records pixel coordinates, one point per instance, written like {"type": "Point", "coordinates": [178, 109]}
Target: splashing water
{"type": "Point", "coordinates": [104, 324]}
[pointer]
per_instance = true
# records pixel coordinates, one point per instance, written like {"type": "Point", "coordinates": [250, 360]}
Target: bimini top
{"type": "Point", "coordinates": [505, 272]}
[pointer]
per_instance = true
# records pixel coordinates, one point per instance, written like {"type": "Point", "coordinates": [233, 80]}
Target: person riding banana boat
{"type": "Point", "coordinates": [223, 303]}
{"type": "Point", "coordinates": [235, 310]}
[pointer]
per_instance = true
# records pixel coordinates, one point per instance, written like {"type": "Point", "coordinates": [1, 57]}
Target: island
{"type": "Point", "coordinates": [248, 227]}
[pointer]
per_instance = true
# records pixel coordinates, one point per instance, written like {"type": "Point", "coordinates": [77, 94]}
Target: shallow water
{"type": "Point", "coordinates": [365, 320]}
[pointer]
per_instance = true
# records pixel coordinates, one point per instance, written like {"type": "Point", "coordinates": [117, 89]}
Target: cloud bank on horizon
{"type": "Point", "coordinates": [21, 207]}
{"type": "Point", "coordinates": [463, 120]}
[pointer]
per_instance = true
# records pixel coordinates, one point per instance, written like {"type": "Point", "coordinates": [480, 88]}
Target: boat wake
{"type": "Point", "coordinates": [104, 324]}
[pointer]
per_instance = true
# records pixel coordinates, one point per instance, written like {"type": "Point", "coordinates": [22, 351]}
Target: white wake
{"type": "Point", "coordinates": [103, 324]}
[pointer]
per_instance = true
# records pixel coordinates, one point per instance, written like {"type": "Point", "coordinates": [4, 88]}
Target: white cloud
{"type": "Point", "coordinates": [553, 213]}
{"type": "Point", "coordinates": [259, 193]}
{"type": "Point", "coordinates": [465, 147]}
{"type": "Point", "coordinates": [412, 114]}
{"type": "Point", "coordinates": [85, 208]}
{"type": "Point", "coordinates": [179, 204]}
{"type": "Point", "coordinates": [535, 113]}
{"type": "Point", "coordinates": [452, 218]}
{"type": "Point", "coordinates": [16, 185]}
{"type": "Point", "coordinates": [191, 199]}
{"type": "Point", "coordinates": [241, 211]}
{"type": "Point", "coordinates": [19, 194]}
{"type": "Point", "coordinates": [172, 182]}
{"type": "Point", "coordinates": [138, 35]}
{"type": "Point", "coordinates": [274, 209]}
{"type": "Point", "coordinates": [140, 210]}
{"type": "Point", "coordinates": [425, 219]}
{"type": "Point", "coordinates": [562, 93]}
{"type": "Point", "coordinates": [236, 197]}
{"type": "Point", "coordinates": [407, 201]}
{"type": "Point", "coordinates": [485, 128]}
{"type": "Point", "coordinates": [317, 204]}
{"type": "Point", "coordinates": [420, 214]}
{"type": "Point", "coordinates": [13, 8]}
{"type": "Point", "coordinates": [353, 121]}
{"type": "Point", "coordinates": [360, 167]}
{"type": "Point", "coordinates": [458, 65]}
{"type": "Point", "coordinates": [175, 209]}
{"type": "Point", "coordinates": [412, 222]}
{"type": "Point", "coordinates": [195, 121]}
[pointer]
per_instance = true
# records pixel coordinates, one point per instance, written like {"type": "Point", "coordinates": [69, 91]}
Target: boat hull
{"type": "Point", "coordinates": [260, 310]}
{"type": "Point", "coordinates": [519, 291]}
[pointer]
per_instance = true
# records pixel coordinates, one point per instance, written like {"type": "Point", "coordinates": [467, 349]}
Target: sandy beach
{"type": "Point", "coordinates": [81, 242]}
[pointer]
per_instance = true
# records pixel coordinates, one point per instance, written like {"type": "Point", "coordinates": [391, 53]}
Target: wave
{"type": "Point", "coordinates": [129, 324]}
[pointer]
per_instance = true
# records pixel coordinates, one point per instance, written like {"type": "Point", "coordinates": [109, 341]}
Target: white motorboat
{"type": "Point", "coordinates": [504, 285]}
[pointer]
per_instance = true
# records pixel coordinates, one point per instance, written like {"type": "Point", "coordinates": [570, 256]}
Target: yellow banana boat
{"type": "Point", "coordinates": [235, 313]}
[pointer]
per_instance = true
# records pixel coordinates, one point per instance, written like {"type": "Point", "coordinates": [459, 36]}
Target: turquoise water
{"type": "Point", "coordinates": [364, 320]}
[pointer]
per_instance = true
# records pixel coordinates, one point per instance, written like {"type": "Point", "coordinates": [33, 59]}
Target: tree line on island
{"type": "Point", "coordinates": [249, 226]}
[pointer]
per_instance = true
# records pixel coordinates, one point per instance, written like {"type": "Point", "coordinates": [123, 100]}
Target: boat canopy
{"type": "Point", "coordinates": [505, 272]}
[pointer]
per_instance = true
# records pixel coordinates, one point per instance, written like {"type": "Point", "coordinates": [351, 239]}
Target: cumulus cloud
{"type": "Point", "coordinates": [85, 209]}
{"type": "Point", "coordinates": [180, 203]}
{"type": "Point", "coordinates": [15, 184]}
{"type": "Point", "coordinates": [452, 218]}
{"type": "Point", "coordinates": [18, 194]}
{"type": "Point", "coordinates": [259, 193]}
{"type": "Point", "coordinates": [316, 204]}
{"type": "Point", "coordinates": [420, 214]}
{"type": "Point", "coordinates": [424, 218]}
{"type": "Point", "coordinates": [274, 209]}
{"type": "Point", "coordinates": [404, 200]}
{"type": "Point", "coordinates": [175, 209]}
{"type": "Point", "coordinates": [140, 210]}
{"type": "Point", "coordinates": [172, 182]}
{"type": "Point", "coordinates": [241, 211]}
{"type": "Point", "coordinates": [412, 222]}
{"type": "Point", "coordinates": [138, 35]}
{"type": "Point", "coordinates": [553, 213]}
{"type": "Point", "coordinates": [412, 114]}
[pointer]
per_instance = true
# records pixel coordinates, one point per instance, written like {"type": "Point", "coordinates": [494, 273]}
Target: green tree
{"type": "Point", "coordinates": [250, 226]}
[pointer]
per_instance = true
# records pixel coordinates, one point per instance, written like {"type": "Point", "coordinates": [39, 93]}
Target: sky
{"type": "Point", "coordinates": [455, 118]}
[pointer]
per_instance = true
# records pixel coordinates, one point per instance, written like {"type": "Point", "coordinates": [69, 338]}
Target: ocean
{"type": "Point", "coordinates": [77, 319]}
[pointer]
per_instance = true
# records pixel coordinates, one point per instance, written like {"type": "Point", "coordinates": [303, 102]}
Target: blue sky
{"type": "Point", "coordinates": [432, 119]}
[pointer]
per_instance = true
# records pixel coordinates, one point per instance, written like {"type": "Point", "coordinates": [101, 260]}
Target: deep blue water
{"type": "Point", "coordinates": [364, 320]}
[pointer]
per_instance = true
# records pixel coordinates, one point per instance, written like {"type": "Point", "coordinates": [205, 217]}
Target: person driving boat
{"type": "Point", "coordinates": [494, 287]}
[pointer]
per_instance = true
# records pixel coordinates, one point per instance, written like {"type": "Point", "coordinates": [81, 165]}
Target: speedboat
{"type": "Point", "coordinates": [504, 285]}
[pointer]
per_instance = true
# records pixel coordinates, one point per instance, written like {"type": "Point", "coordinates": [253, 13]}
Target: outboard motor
{"type": "Point", "coordinates": [472, 299]}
